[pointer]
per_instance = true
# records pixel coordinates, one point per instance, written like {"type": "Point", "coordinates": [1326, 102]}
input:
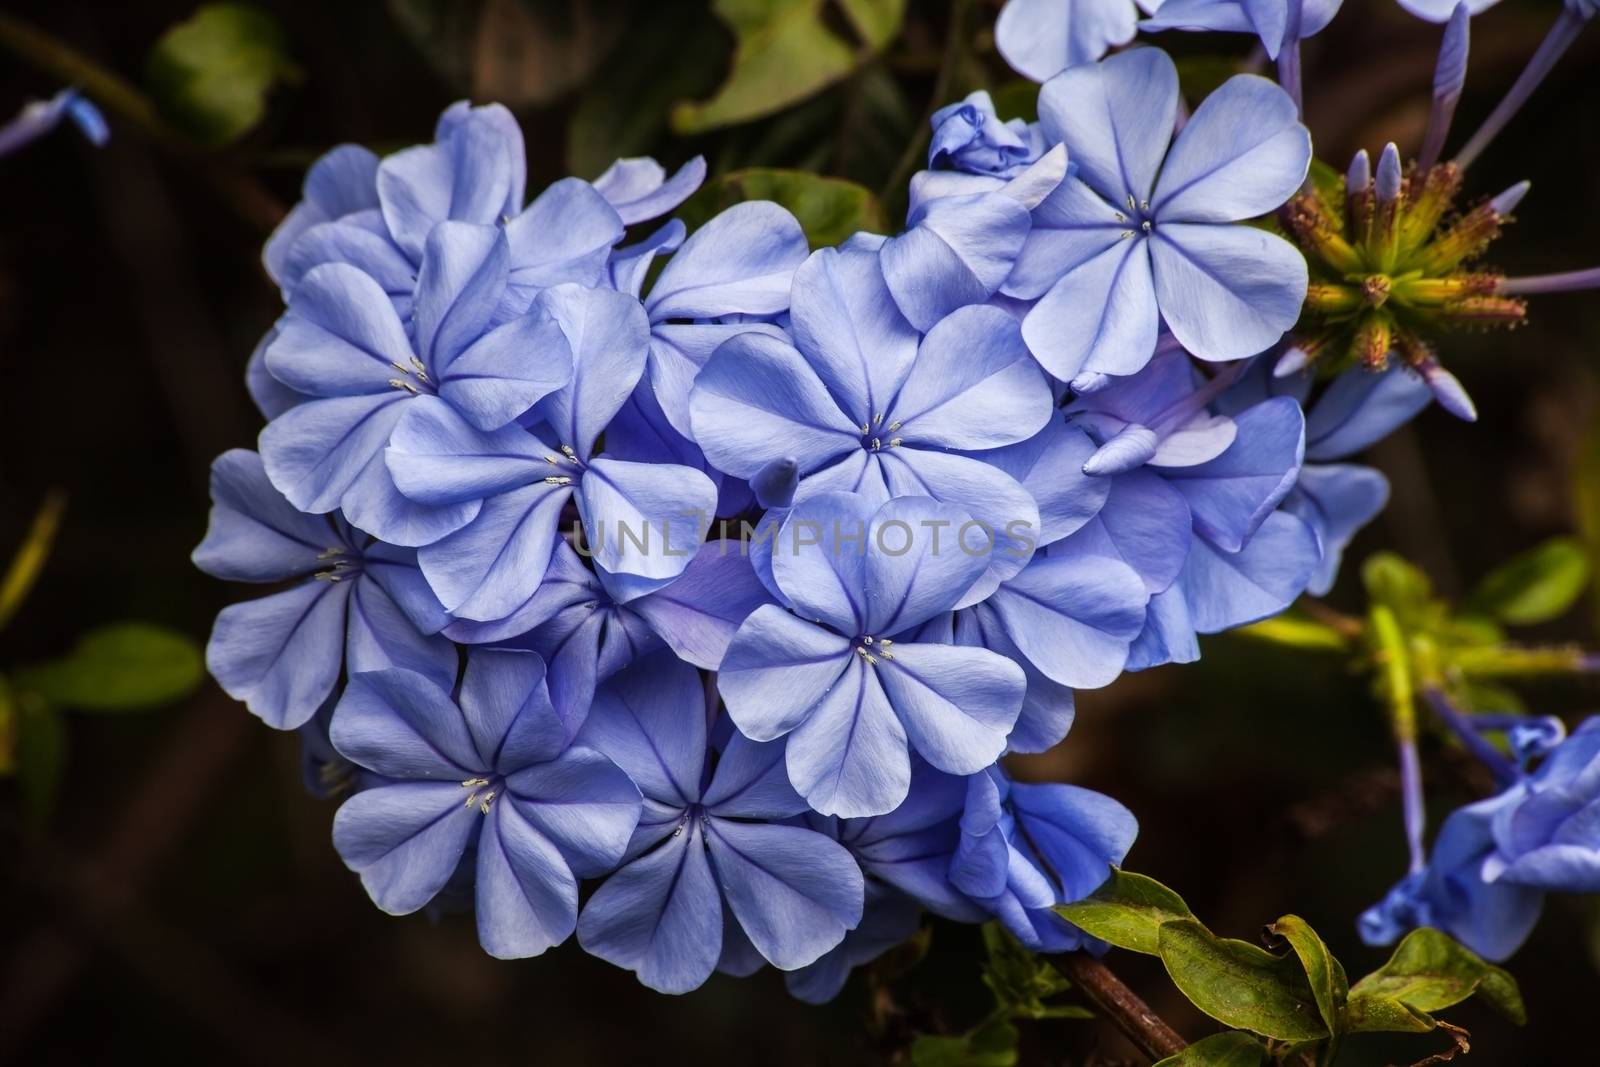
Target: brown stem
{"type": "Point", "coordinates": [1136, 1019]}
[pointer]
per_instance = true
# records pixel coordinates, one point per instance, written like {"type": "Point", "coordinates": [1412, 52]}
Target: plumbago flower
{"type": "Point", "coordinates": [1140, 235]}
{"type": "Point", "coordinates": [850, 690]}
{"type": "Point", "coordinates": [1279, 24]}
{"type": "Point", "coordinates": [39, 117]}
{"type": "Point", "coordinates": [356, 604]}
{"type": "Point", "coordinates": [715, 877]}
{"type": "Point", "coordinates": [1495, 860]}
{"type": "Point", "coordinates": [1040, 38]}
{"type": "Point", "coordinates": [489, 772]}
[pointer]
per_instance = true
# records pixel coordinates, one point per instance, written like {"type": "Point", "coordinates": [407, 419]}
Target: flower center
{"type": "Point", "coordinates": [875, 436]}
{"type": "Point", "coordinates": [567, 460]}
{"type": "Point", "coordinates": [872, 649]}
{"type": "Point", "coordinates": [1139, 219]}
{"type": "Point", "coordinates": [412, 379]}
{"type": "Point", "coordinates": [481, 791]}
{"type": "Point", "coordinates": [337, 564]}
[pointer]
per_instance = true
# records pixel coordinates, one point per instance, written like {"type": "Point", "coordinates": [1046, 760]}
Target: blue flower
{"type": "Point", "coordinates": [969, 137]}
{"type": "Point", "coordinates": [861, 406]}
{"type": "Point", "coordinates": [39, 117]}
{"type": "Point", "coordinates": [1116, 250]}
{"type": "Point", "coordinates": [586, 635]}
{"type": "Point", "coordinates": [343, 344]}
{"type": "Point", "coordinates": [642, 521]}
{"type": "Point", "coordinates": [841, 678]}
{"type": "Point", "coordinates": [1026, 848]}
{"type": "Point", "coordinates": [1273, 21]}
{"type": "Point", "coordinates": [715, 875]}
{"type": "Point", "coordinates": [1040, 38]}
{"type": "Point", "coordinates": [1494, 860]}
{"type": "Point", "coordinates": [492, 770]}
{"type": "Point", "coordinates": [640, 190]}
{"type": "Point", "coordinates": [356, 604]}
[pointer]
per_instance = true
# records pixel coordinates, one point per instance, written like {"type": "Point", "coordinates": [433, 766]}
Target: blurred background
{"type": "Point", "coordinates": [167, 884]}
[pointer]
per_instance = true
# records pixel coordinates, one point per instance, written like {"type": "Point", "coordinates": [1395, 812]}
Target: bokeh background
{"type": "Point", "coordinates": [180, 897]}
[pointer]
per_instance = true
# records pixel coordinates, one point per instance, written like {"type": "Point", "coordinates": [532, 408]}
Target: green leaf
{"type": "Point", "coordinates": [992, 1044]}
{"type": "Point", "coordinates": [126, 666]}
{"type": "Point", "coordinates": [210, 74]}
{"type": "Point", "coordinates": [1429, 971]}
{"type": "Point", "coordinates": [1022, 982]}
{"type": "Point", "coordinates": [1536, 586]}
{"type": "Point", "coordinates": [1231, 1048]}
{"type": "Point", "coordinates": [829, 209]}
{"type": "Point", "coordinates": [1127, 910]}
{"type": "Point", "coordinates": [1397, 584]}
{"type": "Point", "coordinates": [1238, 984]}
{"type": "Point", "coordinates": [784, 53]}
{"type": "Point", "coordinates": [28, 563]}
{"type": "Point", "coordinates": [1324, 974]}
{"type": "Point", "coordinates": [1294, 630]}
{"type": "Point", "coordinates": [41, 758]}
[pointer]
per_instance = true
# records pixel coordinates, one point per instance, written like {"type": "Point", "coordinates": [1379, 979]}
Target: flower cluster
{"type": "Point", "coordinates": [1494, 860]}
{"type": "Point", "coordinates": [684, 591]}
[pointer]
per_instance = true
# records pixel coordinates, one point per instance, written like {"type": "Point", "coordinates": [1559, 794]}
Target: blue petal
{"type": "Point", "coordinates": [404, 840]}
{"type": "Point", "coordinates": [565, 235]}
{"type": "Point", "coordinates": [956, 252]}
{"type": "Point", "coordinates": [1049, 465]}
{"type": "Point", "coordinates": [316, 452]}
{"type": "Point", "coordinates": [1226, 291]}
{"type": "Point", "coordinates": [254, 534]}
{"type": "Point", "coordinates": [341, 336]}
{"type": "Point", "coordinates": [1048, 707]}
{"type": "Point", "coordinates": [973, 385]}
{"type": "Point", "coordinates": [1115, 117]}
{"type": "Point", "coordinates": [583, 803]}
{"type": "Point", "coordinates": [281, 654]}
{"type": "Point", "coordinates": [678, 351]}
{"type": "Point", "coordinates": [855, 339]}
{"type": "Point", "coordinates": [1072, 225]}
{"type": "Point", "coordinates": [1224, 590]}
{"type": "Point", "coordinates": [752, 782]}
{"type": "Point", "coordinates": [474, 173]}
{"type": "Point", "coordinates": [758, 399]}
{"type": "Point", "coordinates": [640, 190]}
{"type": "Point", "coordinates": [379, 634]}
{"type": "Point", "coordinates": [740, 262]}
{"type": "Point", "coordinates": [1145, 523]}
{"type": "Point", "coordinates": [458, 286]}
{"type": "Point", "coordinates": [1230, 496]}
{"type": "Point", "coordinates": [608, 336]}
{"type": "Point", "coordinates": [650, 721]}
{"type": "Point", "coordinates": [1168, 635]}
{"type": "Point", "coordinates": [847, 754]}
{"type": "Point", "coordinates": [794, 891]}
{"type": "Point", "coordinates": [699, 613]}
{"type": "Point", "coordinates": [981, 863]}
{"type": "Point", "coordinates": [777, 670]}
{"type": "Point", "coordinates": [341, 182]}
{"type": "Point", "coordinates": [660, 916]}
{"type": "Point", "coordinates": [819, 560]}
{"type": "Point", "coordinates": [491, 566]}
{"type": "Point", "coordinates": [958, 704]}
{"type": "Point", "coordinates": [1242, 153]}
{"type": "Point", "coordinates": [644, 519]}
{"type": "Point", "coordinates": [920, 563]}
{"type": "Point", "coordinates": [508, 711]}
{"type": "Point", "coordinates": [271, 397]}
{"type": "Point", "coordinates": [889, 919]}
{"type": "Point", "coordinates": [630, 265]}
{"type": "Point", "coordinates": [525, 894]}
{"type": "Point", "coordinates": [1040, 37]}
{"type": "Point", "coordinates": [1360, 407]}
{"type": "Point", "coordinates": [401, 725]}
{"type": "Point", "coordinates": [1101, 316]}
{"type": "Point", "coordinates": [1080, 834]}
{"type": "Point", "coordinates": [1073, 616]}
{"type": "Point", "coordinates": [361, 241]}
{"type": "Point", "coordinates": [436, 457]}
{"type": "Point", "coordinates": [1336, 500]}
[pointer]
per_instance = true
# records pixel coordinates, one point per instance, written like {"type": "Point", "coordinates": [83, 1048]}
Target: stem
{"type": "Point", "coordinates": [1474, 742]}
{"type": "Point", "coordinates": [1137, 1021]}
{"type": "Point", "coordinates": [1565, 282]}
{"type": "Point", "coordinates": [1557, 41]}
{"type": "Point", "coordinates": [954, 41]}
{"type": "Point", "coordinates": [241, 192]}
{"type": "Point", "coordinates": [1394, 661]}
{"type": "Point", "coordinates": [1289, 72]}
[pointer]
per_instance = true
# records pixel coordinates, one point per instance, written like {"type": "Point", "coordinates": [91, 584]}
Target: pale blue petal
{"type": "Point", "coordinates": [777, 670]}
{"type": "Point", "coordinates": [650, 720]}
{"type": "Point", "coordinates": [1242, 153]}
{"type": "Point", "coordinates": [1145, 523]}
{"type": "Point", "coordinates": [958, 704]}
{"type": "Point", "coordinates": [1073, 615]}
{"type": "Point", "coordinates": [644, 520]}
{"type": "Point", "coordinates": [281, 654]}
{"type": "Point", "coordinates": [491, 566]}
{"type": "Point", "coordinates": [565, 235]}
{"type": "Point", "coordinates": [855, 338]}
{"type": "Point", "coordinates": [608, 336]}
{"type": "Point", "coordinates": [254, 534]}
{"type": "Point", "coordinates": [405, 840]}
{"type": "Point", "coordinates": [1224, 590]}
{"type": "Point", "coordinates": [640, 190]}
{"type": "Point", "coordinates": [401, 725]}
{"type": "Point", "coordinates": [1049, 465]}
{"type": "Point", "coordinates": [956, 251]}
{"type": "Point", "coordinates": [698, 614]}
{"type": "Point", "coordinates": [1101, 316]}
{"type": "Point", "coordinates": [849, 756]}
{"type": "Point", "coordinates": [917, 565]}
{"type": "Point", "coordinates": [1041, 37]}
{"type": "Point", "coordinates": [752, 782]}
{"type": "Point", "coordinates": [1226, 291]}
{"type": "Point", "coordinates": [1115, 117]}
{"type": "Point", "coordinates": [819, 560]}
{"type": "Point", "coordinates": [583, 803]}
{"type": "Point", "coordinates": [1230, 496]}
{"type": "Point", "coordinates": [525, 895]}
{"type": "Point", "coordinates": [740, 262]}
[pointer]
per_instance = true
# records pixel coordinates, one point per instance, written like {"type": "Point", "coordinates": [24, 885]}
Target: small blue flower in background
{"type": "Point", "coordinates": [357, 604]}
{"type": "Point", "coordinates": [714, 876]}
{"type": "Point", "coordinates": [1026, 848]}
{"type": "Point", "coordinates": [1141, 235]}
{"type": "Point", "coordinates": [1494, 860]}
{"type": "Point", "coordinates": [1273, 21]}
{"type": "Point", "coordinates": [1041, 38]}
{"type": "Point", "coordinates": [39, 117]}
{"type": "Point", "coordinates": [490, 769]}
{"type": "Point", "coordinates": [969, 137]}
{"type": "Point", "coordinates": [844, 679]}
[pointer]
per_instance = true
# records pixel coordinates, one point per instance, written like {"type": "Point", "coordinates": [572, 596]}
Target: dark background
{"type": "Point", "coordinates": [184, 900]}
